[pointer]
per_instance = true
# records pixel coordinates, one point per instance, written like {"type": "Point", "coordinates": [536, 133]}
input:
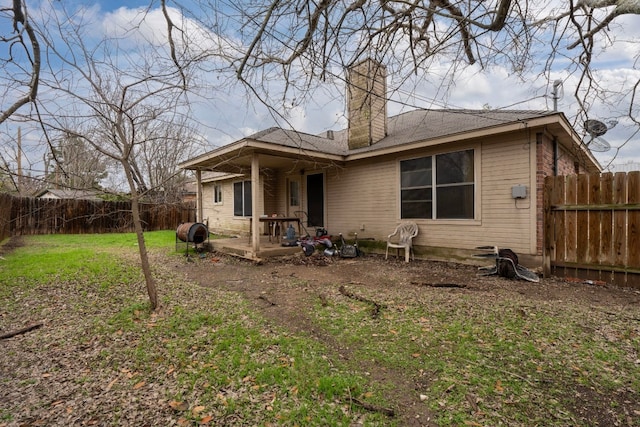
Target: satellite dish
{"type": "Point", "coordinates": [597, 144]}
{"type": "Point", "coordinates": [595, 128]}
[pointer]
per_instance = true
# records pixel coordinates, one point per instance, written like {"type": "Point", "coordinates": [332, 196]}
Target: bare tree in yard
{"type": "Point", "coordinates": [74, 164]}
{"type": "Point", "coordinates": [300, 41]}
{"type": "Point", "coordinates": [155, 163]}
{"type": "Point", "coordinates": [121, 103]}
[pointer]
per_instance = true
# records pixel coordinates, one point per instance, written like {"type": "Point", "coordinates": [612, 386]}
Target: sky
{"type": "Point", "coordinates": [230, 114]}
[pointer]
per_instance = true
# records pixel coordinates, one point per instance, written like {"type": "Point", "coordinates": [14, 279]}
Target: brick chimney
{"type": "Point", "coordinates": [366, 103]}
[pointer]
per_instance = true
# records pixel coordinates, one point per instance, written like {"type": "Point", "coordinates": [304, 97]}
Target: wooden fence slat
{"type": "Point", "coordinates": [633, 221]}
{"type": "Point", "coordinates": [605, 247]}
{"type": "Point", "coordinates": [620, 220]}
{"type": "Point", "coordinates": [594, 220]}
{"type": "Point", "coordinates": [571, 220]}
{"type": "Point", "coordinates": [582, 221]}
{"type": "Point", "coordinates": [606, 228]}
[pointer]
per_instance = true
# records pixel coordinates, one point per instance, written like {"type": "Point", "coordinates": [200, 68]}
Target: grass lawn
{"type": "Point", "coordinates": [208, 357]}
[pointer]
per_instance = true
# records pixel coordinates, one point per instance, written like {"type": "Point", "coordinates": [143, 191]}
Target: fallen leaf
{"type": "Point", "coordinates": [139, 385]}
{"type": "Point", "coordinates": [206, 420]}
{"type": "Point", "coordinates": [498, 387]}
{"type": "Point", "coordinates": [178, 406]}
{"type": "Point", "coordinates": [197, 409]}
{"type": "Point", "coordinates": [111, 384]}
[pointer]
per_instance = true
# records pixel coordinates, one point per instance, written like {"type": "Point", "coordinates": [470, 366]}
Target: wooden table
{"type": "Point", "coordinates": [276, 223]}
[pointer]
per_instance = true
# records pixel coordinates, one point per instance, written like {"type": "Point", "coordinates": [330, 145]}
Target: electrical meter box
{"type": "Point", "coordinates": [519, 191]}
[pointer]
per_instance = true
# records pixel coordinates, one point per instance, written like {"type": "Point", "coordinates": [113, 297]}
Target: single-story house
{"type": "Point", "coordinates": [466, 177]}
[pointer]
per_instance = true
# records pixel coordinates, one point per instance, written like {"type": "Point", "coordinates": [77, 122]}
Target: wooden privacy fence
{"type": "Point", "coordinates": [29, 215]}
{"type": "Point", "coordinates": [592, 227]}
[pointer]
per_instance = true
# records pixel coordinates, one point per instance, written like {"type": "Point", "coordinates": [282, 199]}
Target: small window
{"type": "Point", "coordinates": [217, 194]}
{"type": "Point", "coordinates": [242, 198]}
{"type": "Point", "coordinates": [294, 193]}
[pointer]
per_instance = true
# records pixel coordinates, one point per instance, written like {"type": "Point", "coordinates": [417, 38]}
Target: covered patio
{"type": "Point", "coordinates": [242, 247]}
{"type": "Point", "coordinates": [273, 152]}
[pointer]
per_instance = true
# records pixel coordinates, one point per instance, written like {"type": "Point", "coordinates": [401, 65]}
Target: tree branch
{"type": "Point", "coordinates": [20, 17]}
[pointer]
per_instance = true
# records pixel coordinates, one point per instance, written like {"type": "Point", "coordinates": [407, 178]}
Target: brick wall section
{"type": "Point", "coordinates": [567, 165]}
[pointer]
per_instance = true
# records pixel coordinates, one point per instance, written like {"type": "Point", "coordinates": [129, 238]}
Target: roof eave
{"type": "Point", "coordinates": [453, 137]}
{"type": "Point", "coordinates": [193, 164]}
{"type": "Point", "coordinates": [224, 155]}
{"type": "Point", "coordinates": [556, 118]}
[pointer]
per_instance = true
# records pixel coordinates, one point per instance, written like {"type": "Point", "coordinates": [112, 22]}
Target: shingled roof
{"type": "Point", "coordinates": [405, 128]}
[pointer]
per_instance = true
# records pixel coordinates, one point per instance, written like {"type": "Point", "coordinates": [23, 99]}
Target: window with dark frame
{"type": "Point", "coordinates": [294, 193]}
{"type": "Point", "coordinates": [217, 194]}
{"type": "Point", "coordinates": [242, 198]}
{"type": "Point", "coordinates": [452, 195]}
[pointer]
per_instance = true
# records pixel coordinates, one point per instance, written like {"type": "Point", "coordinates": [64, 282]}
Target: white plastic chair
{"type": "Point", "coordinates": [405, 232]}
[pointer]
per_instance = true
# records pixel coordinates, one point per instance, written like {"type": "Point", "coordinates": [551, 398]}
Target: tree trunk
{"type": "Point", "coordinates": [142, 247]}
{"type": "Point", "coordinates": [144, 257]}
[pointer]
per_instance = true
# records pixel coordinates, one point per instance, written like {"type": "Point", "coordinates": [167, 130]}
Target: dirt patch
{"type": "Point", "coordinates": [286, 289]}
{"type": "Point", "coordinates": [11, 244]}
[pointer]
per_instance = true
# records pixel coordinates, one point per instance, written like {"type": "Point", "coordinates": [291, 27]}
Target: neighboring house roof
{"type": "Point", "coordinates": [68, 194]}
{"type": "Point", "coordinates": [422, 127]}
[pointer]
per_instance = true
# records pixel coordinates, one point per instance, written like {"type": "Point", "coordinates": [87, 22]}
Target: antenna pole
{"type": "Point", "coordinates": [555, 95]}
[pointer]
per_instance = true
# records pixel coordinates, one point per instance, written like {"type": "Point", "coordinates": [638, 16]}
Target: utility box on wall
{"type": "Point", "coordinates": [519, 191]}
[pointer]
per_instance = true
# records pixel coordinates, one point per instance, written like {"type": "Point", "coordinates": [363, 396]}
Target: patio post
{"type": "Point", "coordinates": [199, 212]}
{"type": "Point", "coordinates": [255, 203]}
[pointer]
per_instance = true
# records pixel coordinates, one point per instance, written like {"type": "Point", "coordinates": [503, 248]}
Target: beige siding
{"type": "Point", "coordinates": [364, 194]}
{"type": "Point", "coordinates": [367, 194]}
{"type": "Point", "coordinates": [220, 216]}
{"type": "Point", "coordinates": [363, 198]}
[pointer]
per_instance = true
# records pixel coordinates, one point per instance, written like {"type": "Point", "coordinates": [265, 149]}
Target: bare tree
{"type": "Point", "coordinates": [156, 163]}
{"type": "Point", "coordinates": [299, 42]}
{"type": "Point", "coordinates": [75, 165]}
{"type": "Point", "coordinates": [119, 103]}
{"type": "Point", "coordinates": [20, 60]}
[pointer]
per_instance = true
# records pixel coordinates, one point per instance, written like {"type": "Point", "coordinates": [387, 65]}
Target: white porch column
{"type": "Point", "coordinates": [199, 209]}
{"type": "Point", "coordinates": [255, 203]}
